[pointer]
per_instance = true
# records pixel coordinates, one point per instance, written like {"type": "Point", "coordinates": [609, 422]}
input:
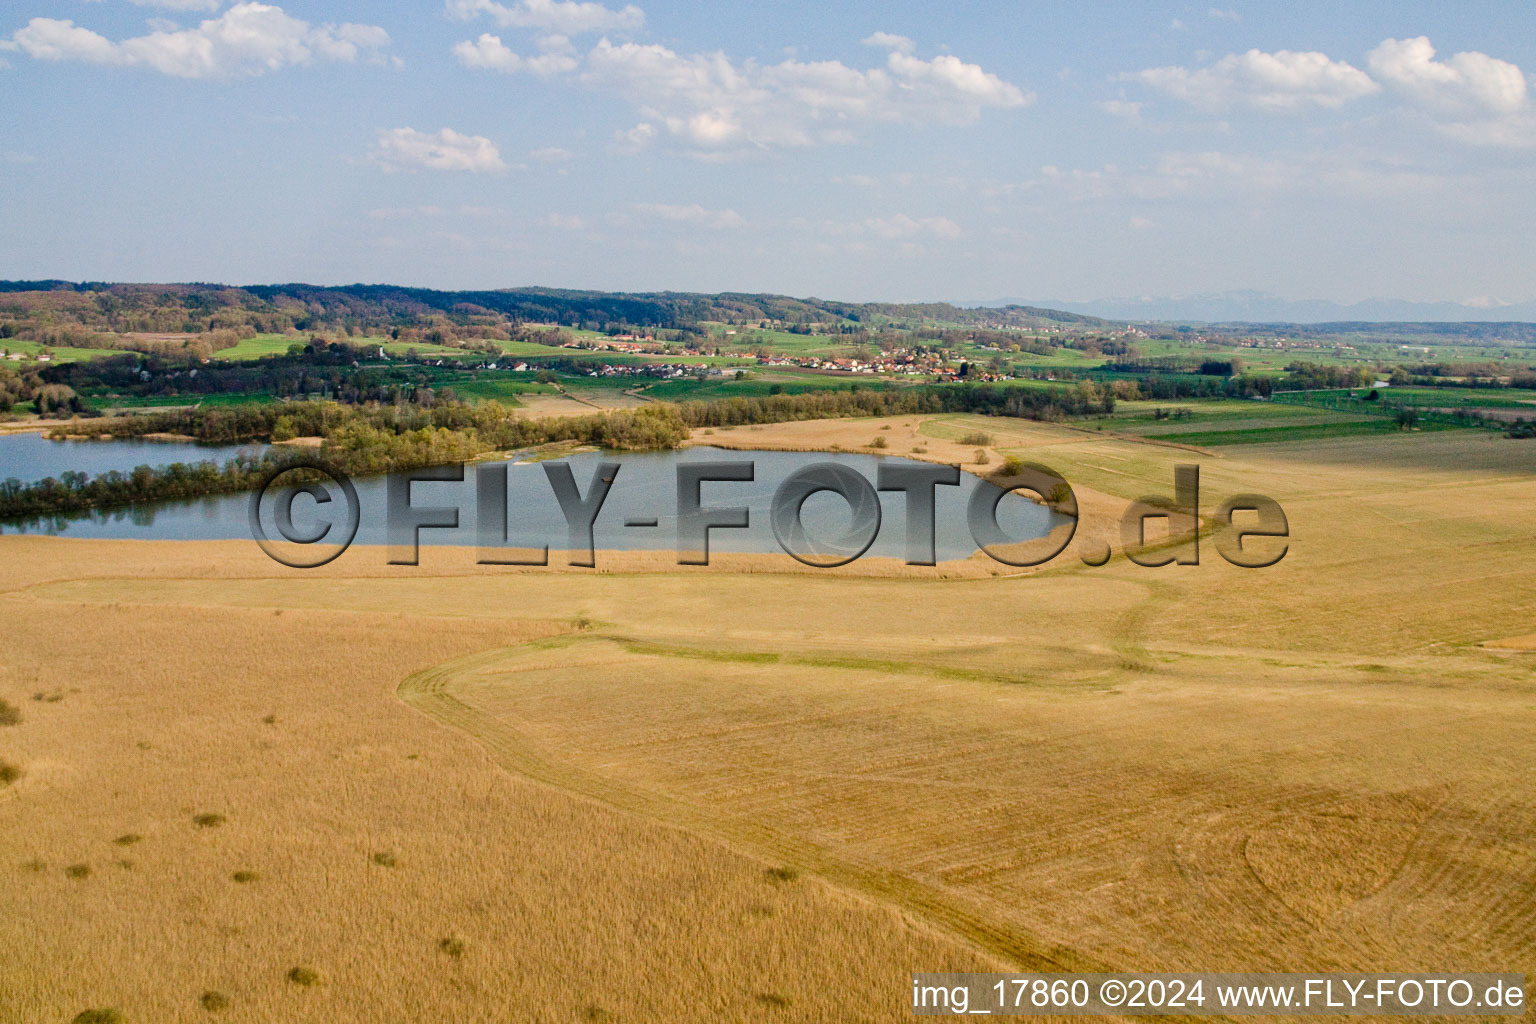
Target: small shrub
{"type": "Point", "coordinates": [98, 1017]}
{"type": "Point", "coordinates": [595, 1013]}
{"type": "Point", "coordinates": [886, 427]}
{"type": "Point", "coordinates": [208, 820]}
{"type": "Point", "coordinates": [452, 946]}
{"type": "Point", "coordinates": [773, 999]}
{"type": "Point", "coordinates": [982, 458]}
{"type": "Point", "coordinates": [788, 873]}
{"type": "Point", "coordinates": [35, 866]}
{"type": "Point", "coordinates": [879, 442]}
{"type": "Point", "coordinates": [10, 714]}
{"type": "Point", "coordinates": [270, 719]}
{"type": "Point", "coordinates": [920, 449]}
{"type": "Point", "coordinates": [9, 773]}
{"type": "Point", "coordinates": [78, 871]}
{"type": "Point", "coordinates": [129, 839]}
{"type": "Point", "coordinates": [244, 877]}
{"type": "Point", "coordinates": [306, 976]}
{"type": "Point", "coordinates": [384, 859]}
{"type": "Point", "coordinates": [976, 437]}
{"type": "Point", "coordinates": [213, 1002]}
{"type": "Point", "coordinates": [1012, 466]}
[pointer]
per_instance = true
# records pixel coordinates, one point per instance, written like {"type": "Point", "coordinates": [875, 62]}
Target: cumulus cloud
{"type": "Point", "coordinates": [489, 53]}
{"type": "Point", "coordinates": [693, 215]}
{"type": "Point", "coordinates": [406, 149]}
{"type": "Point", "coordinates": [565, 17]}
{"type": "Point", "coordinates": [711, 104]}
{"type": "Point", "coordinates": [1467, 96]}
{"type": "Point", "coordinates": [887, 41]}
{"type": "Point", "coordinates": [1470, 97]}
{"type": "Point", "coordinates": [717, 107]}
{"type": "Point", "coordinates": [1283, 80]}
{"type": "Point", "coordinates": [248, 39]}
{"type": "Point", "coordinates": [1466, 81]}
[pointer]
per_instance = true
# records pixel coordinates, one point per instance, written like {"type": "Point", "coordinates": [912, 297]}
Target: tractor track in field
{"type": "Point", "coordinates": [432, 692]}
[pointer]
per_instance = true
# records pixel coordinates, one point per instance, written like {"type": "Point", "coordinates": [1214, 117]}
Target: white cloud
{"type": "Point", "coordinates": [248, 39]}
{"type": "Point", "coordinates": [1467, 81]}
{"type": "Point", "coordinates": [1516, 132]}
{"type": "Point", "coordinates": [182, 5]}
{"type": "Point", "coordinates": [889, 228]}
{"type": "Point", "coordinates": [1470, 97]}
{"type": "Point", "coordinates": [634, 139]}
{"type": "Point", "coordinates": [1283, 80]}
{"type": "Point", "coordinates": [48, 39]}
{"type": "Point", "coordinates": [551, 155]}
{"type": "Point", "coordinates": [1224, 14]}
{"type": "Point", "coordinates": [711, 104]}
{"type": "Point", "coordinates": [902, 226]}
{"type": "Point", "coordinates": [406, 149]}
{"type": "Point", "coordinates": [563, 16]}
{"type": "Point", "coordinates": [1211, 176]}
{"type": "Point", "coordinates": [1127, 109]}
{"type": "Point", "coordinates": [718, 108]}
{"type": "Point", "coordinates": [176, 5]}
{"type": "Point", "coordinates": [887, 41]}
{"type": "Point", "coordinates": [465, 211]}
{"type": "Point", "coordinates": [489, 53]}
{"type": "Point", "coordinates": [693, 215]}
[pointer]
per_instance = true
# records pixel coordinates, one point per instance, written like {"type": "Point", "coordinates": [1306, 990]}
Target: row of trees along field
{"type": "Point", "coordinates": [363, 440]}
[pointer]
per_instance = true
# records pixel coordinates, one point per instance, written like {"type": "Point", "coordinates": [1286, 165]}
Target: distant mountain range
{"type": "Point", "coordinates": [1261, 307]}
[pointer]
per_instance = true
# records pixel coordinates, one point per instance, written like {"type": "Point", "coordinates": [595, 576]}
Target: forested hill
{"type": "Point", "coordinates": [172, 307]}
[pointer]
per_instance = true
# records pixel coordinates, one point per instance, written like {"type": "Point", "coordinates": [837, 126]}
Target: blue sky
{"type": "Point", "coordinates": [864, 151]}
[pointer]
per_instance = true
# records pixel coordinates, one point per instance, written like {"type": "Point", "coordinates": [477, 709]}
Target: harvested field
{"type": "Point", "coordinates": [661, 793]}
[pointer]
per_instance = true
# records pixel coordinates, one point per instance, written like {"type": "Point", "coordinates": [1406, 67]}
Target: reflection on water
{"type": "Point", "coordinates": [645, 490]}
{"type": "Point", "coordinates": [32, 457]}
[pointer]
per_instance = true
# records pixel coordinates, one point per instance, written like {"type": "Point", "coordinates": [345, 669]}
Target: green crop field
{"type": "Point", "coordinates": [31, 349]}
{"type": "Point", "coordinates": [257, 347]}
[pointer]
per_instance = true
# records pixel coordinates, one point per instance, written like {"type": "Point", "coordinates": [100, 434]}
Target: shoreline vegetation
{"type": "Point", "coordinates": [376, 439]}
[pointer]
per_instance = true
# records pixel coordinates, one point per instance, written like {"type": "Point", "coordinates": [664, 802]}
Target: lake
{"type": "Point", "coordinates": [32, 457]}
{"type": "Point", "coordinates": [645, 488]}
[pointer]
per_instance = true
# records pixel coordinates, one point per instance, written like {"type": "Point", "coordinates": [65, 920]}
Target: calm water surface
{"type": "Point", "coordinates": [644, 488]}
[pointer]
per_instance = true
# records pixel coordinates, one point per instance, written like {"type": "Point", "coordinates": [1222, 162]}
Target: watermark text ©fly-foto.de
{"type": "Point", "coordinates": [1251, 530]}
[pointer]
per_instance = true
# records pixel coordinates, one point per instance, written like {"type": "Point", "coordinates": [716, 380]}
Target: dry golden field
{"type": "Point", "coordinates": [756, 791]}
